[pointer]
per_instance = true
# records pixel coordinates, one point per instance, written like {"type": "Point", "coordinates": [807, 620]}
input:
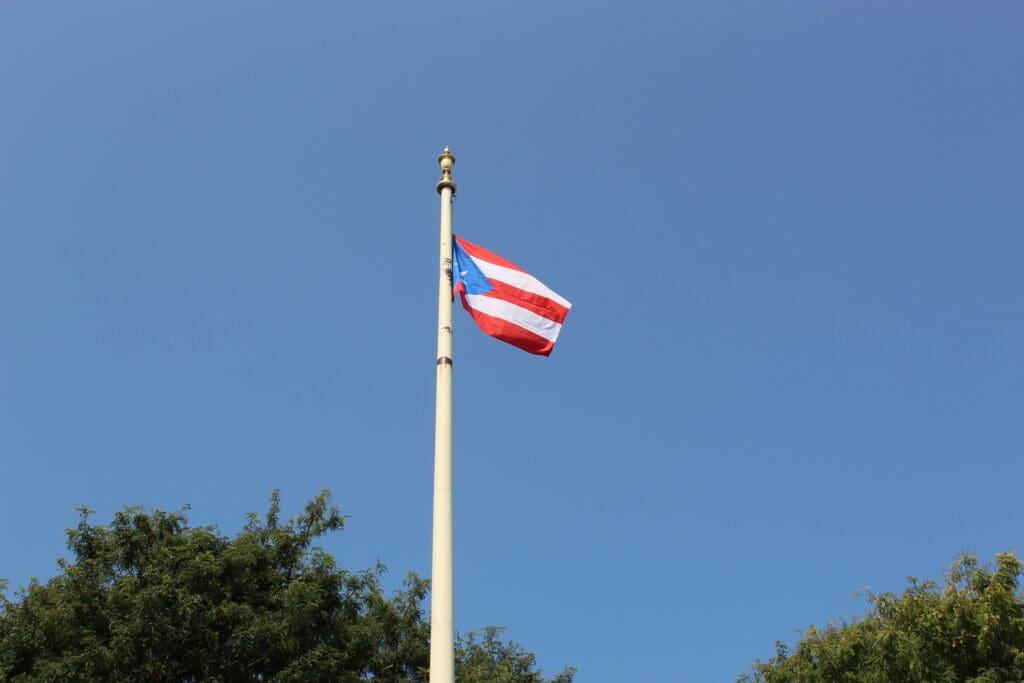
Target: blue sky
{"type": "Point", "coordinates": [791, 232]}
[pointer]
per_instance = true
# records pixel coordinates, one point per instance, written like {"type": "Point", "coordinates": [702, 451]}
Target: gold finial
{"type": "Point", "coordinates": [447, 161]}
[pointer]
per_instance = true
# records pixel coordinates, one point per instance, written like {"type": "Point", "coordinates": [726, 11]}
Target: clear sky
{"type": "Point", "coordinates": [791, 232]}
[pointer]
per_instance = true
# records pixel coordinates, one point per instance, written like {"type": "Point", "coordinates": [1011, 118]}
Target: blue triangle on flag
{"type": "Point", "coordinates": [467, 273]}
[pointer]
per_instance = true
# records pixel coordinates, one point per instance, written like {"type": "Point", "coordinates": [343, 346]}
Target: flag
{"type": "Point", "coordinates": [505, 301]}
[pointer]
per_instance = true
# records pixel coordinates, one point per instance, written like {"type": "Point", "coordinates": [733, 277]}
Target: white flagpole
{"type": "Point", "coordinates": [442, 600]}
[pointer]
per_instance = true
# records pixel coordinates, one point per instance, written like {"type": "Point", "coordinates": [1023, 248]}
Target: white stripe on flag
{"type": "Point", "coordinates": [499, 308]}
{"type": "Point", "coordinates": [518, 279]}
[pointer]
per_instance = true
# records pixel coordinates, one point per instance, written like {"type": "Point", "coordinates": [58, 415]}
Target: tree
{"type": "Point", "coordinates": [152, 598]}
{"type": "Point", "coordinates": [969, 630]}
{"type": "Point", "coordinates": [482, 657]}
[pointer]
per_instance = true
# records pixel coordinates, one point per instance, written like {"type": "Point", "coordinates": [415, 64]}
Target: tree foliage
{"type": "Point", "coordinates": [970, 629]}
{"type": "Point", "coordinates": [482, 657]}
{"type": "Point", "coordinates": [151, 597]}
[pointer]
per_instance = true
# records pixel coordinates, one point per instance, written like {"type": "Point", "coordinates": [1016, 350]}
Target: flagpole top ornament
{"type": "Point", "coordinates": [446, 160]}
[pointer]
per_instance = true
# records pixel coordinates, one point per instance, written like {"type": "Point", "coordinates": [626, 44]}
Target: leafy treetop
{"type": "Point", "coordinates": [150, 597]}
{"type": "Point", "coordinates": [970, 629]}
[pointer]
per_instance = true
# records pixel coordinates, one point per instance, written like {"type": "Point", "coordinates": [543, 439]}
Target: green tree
{"type": "Point", "coordinates": [150, 597]}
{"type": "Point", "coordinates": [482, 657]}
{"type": "Point", "coordinates": [971, 629]}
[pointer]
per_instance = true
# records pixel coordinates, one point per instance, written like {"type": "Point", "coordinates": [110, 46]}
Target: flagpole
{"type": "Point", "coordinates": [442, 601]}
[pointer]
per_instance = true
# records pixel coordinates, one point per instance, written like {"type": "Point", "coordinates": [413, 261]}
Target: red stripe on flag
{"type": "Point", "coordinates": [489, 256]}
{"type": "Point", "coordinates": [510, 332]}
{"type": "Point", "coordinates": [541, 305]}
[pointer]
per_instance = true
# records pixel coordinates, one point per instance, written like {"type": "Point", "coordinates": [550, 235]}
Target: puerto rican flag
{"type": "Point", "coordinates": [505, 301]}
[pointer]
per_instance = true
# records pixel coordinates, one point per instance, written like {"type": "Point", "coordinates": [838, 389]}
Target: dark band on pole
{"type": "Point", "coordinates": [444, 360]}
